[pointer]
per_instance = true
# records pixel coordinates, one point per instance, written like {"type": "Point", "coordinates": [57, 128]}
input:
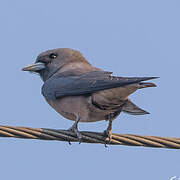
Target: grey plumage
{"type": "Point", "coordinates": [81, 92]}
{"type": "Point", "coordinates": [65, 84]}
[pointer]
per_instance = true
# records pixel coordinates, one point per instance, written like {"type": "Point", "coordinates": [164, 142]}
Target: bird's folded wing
{"type": "Point", "coordinates": [82, 84]}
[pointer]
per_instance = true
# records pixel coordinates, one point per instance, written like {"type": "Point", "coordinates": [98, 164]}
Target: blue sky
{"type": "Point", "coordinates": [130, 38]}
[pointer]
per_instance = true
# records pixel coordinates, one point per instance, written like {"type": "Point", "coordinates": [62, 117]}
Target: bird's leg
{"type": "Point", "coordinates": [74, 129]}
{"type": "Point", "coordinates": [108, 131]}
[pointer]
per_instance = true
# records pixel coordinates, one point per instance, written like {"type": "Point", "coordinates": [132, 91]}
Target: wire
{"type": "Point", "coordinates": [89, 137]}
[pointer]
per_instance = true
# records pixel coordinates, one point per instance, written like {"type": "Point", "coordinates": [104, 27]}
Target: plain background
{"type": "Point", "coordinates": [130, 38]}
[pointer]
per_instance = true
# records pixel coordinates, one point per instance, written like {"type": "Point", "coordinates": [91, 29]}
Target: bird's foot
{"type": "Point", "coordinates": [108, 133]}
{"type": "Point", "coordinates": [69, 143]}
{"type": "Point", "coordinates": [78, 134]}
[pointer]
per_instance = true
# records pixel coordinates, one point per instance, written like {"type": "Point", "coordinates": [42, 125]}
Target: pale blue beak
{"type": "Point", "coordinates": [34, 67]}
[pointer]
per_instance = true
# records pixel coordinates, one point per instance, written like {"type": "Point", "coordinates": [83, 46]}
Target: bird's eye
{"type": "Point", "coordinates": [52, 56]}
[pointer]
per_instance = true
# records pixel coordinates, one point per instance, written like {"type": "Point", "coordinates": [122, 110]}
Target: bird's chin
{"type": "Point", "coordinates": [48, 73]}
{"type": "Point", "coordinates": [39, 73]}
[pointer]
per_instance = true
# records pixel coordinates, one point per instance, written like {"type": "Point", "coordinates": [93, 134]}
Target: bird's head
{"type": "Point", "coordinates": [49, 62]}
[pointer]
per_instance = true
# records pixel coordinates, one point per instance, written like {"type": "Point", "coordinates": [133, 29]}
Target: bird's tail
{"type": "Point", "coordinates": [132, 109]}
{"type": "Point", "coordinates": [145, 85]}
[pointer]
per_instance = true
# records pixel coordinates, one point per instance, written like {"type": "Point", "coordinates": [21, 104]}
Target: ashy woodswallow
{"type": "Point", "coordinates": [83, 93]}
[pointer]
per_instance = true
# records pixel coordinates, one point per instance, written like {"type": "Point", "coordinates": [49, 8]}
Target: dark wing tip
{"type": "Point", "coordinates": [148, 78]}
{"type": "Point", "coordinates": [155, 77]}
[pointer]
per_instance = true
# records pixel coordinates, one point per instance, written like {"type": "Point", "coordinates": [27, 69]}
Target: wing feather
{"type": "Point", "coordinates": [82, 84]}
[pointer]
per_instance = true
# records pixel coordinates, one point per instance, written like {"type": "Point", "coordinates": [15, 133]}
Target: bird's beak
{"type": "Point", "coordinates": [34, 67]}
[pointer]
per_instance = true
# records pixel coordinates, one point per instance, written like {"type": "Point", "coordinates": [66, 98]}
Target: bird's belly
{"type": "Point", "coordinates": [72, 107]}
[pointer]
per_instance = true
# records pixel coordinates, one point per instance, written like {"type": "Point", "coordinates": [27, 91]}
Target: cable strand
{"type": "Point", "coordinates": [89, 137]}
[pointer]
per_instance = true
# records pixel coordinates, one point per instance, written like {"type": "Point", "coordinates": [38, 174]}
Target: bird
{"type": "Point", "coordinates": [81, 92]}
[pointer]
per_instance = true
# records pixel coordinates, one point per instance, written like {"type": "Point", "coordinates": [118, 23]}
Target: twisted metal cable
{"type": "Point", "coordinates": [89, 137]}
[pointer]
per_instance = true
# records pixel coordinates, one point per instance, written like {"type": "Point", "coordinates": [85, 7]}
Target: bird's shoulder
{"type": "Point", "coordinates": [79, 73]}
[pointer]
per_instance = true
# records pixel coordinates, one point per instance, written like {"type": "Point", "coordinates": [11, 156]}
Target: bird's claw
{"type": "Point", "coordinates": [69, 143]}
{"type": "Point", "coordinates": [78, 134]}
{"type": "Point", "coordinates": [108, 133]}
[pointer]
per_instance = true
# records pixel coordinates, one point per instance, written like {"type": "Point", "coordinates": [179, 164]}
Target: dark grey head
{"type": "Point", "coordinates": [49, 62]}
